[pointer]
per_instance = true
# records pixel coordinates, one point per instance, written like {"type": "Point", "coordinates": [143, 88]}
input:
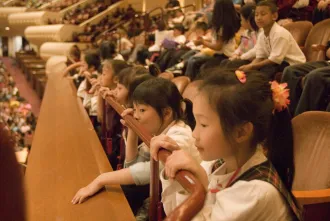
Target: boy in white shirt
{"type": "Point", "coordinates": [276, 47]}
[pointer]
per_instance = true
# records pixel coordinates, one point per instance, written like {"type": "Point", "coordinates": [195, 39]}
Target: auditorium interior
{"type": "Point", "coordinates": [64, 125]}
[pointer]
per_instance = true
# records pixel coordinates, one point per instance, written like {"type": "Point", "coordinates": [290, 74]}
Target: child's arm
{"type": "Point", "coordinates": [217, 45]}
{"type": "Point", "coordinates": [256, 64]}
{"type": "Point", "coordinates": [122, 177]}
{"type": "Point", "coordinates": [132, 139]}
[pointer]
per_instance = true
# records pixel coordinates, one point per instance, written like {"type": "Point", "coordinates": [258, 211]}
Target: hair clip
{"type": "Point", "coordinates": [241, 76]}
{"type": "Point", "coordinates": [280, 95]}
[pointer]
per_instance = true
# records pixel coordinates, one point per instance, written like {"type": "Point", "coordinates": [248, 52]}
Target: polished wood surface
{"type": "Point", "coordinates": [66, 155]}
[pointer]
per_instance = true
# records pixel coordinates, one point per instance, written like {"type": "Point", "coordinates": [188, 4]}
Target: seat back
{"type": "Point", "coordinates": [299, 30]}
{"type": "Point", "coordinates": [166, 75]}
{"type": "Point", "coordinates": [181, 83]}
{"type": "Point", "coordinates": [320, 35]}
{"type": "Point", "coordinates": [311, 131]}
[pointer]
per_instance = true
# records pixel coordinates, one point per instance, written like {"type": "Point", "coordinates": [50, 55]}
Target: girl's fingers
{"type": "Point", "coordinates": [123, 122]}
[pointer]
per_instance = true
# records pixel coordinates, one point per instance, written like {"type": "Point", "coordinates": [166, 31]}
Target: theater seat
{"type": "Point", "coordinates": [181, 83]}
{"type": "Point", "coordinates": [191, 90]}
{"type": "Point", "coordinates": [299, 30]}
{"type": "Point", "coordinates": [319, 35]}
{"type": "Point", "coordinates": [166, 75]}
{"type": "Point", "coordinates": [311, 184]}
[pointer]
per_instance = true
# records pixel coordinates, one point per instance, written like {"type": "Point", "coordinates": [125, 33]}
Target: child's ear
{"type": "Point", "coordinates": [167, 113]}
{"type": "Point", "coordinates": [244, 132]}
{"type": "Point", "coordinates": [275, 16]}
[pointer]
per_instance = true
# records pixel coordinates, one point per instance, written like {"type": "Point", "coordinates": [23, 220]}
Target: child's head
{"type": "Point", "coordinates": [128, 79]}
{"type": "Point", "coordinates": [233, 118]}
{"type": "Point", "coordinates": [157, 103]}
{"type": "Point", "coordinates": [93, 61]}
{"type": "Point", "coordinates": [200, 29]}
{"type": "Point", "coordinates": [110, 71]}
{"type": "Point", "coordinates": [75, 53]}
{"type": "Point", "coordinates": [108, 50]}
{"type": "Point", "coordinates": [178, 13]}
{"type": "Point", "coordinates": [225, 17]}
{"type": "Point", "coordinates": [247, 17]}
{"type": "Point", "coordinates": [122, 32]}
{"type": "Point", "coordinates": [266, 14]}
{"type": "Point", "coordinates": [178, 30]}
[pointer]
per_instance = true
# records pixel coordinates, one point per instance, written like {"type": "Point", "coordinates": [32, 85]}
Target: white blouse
{"type": "Point", "coordinates": [243, 201]}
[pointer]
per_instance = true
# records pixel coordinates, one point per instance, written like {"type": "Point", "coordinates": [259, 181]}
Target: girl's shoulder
{"type": "Point", "coordinates": [179, 127]}
{"type": "Point", "coordinates": [258, 200]}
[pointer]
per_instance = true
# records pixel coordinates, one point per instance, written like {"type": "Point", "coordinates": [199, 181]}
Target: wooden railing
{"type": "Point", "coordinates": [66, 155]}
{"type": "Point", "coordinates": [187, 210]}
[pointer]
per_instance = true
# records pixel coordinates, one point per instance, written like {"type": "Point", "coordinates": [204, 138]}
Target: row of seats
{"type": "Point", "coordinates": [60, 5]}
{"type": "Point", "coordinates": [33, 68]}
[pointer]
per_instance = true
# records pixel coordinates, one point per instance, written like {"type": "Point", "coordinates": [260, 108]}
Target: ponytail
{"type": "Point", "coordinates": [188, 114]}
{"type": "Point", "coordinates": [280, 146]}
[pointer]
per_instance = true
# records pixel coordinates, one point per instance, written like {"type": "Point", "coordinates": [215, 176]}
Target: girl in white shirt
{"type": "Point", "coordinates": [225, 23]}
{"type": "Point", "coordinates": [235, 114]}
{"type": "Point", "coordinates": [157, 107]}
{"type": "Point", "coordinates": [245, 52]}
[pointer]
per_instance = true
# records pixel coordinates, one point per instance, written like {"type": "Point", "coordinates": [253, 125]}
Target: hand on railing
{"type": "Point", "coordinates": [71, 67]}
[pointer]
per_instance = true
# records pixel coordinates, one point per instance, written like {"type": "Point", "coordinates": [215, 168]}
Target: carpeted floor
{"type": "Point", "coordinates": [23, 85]}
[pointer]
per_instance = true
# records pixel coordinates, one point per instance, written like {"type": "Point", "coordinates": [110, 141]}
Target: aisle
{"type": "Point", "coordinates": [23, 85]}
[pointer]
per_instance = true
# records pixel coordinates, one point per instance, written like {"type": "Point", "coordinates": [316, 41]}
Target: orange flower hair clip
{"type": "Point", "coordinates": [280, 95]}
{"type": "Point", "coordinates": [241, 76]}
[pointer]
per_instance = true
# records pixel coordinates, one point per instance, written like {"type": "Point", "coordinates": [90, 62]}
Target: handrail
{"type": "Point", "coordinates": [182, 7]}
{"type": "Point", "coordinates": [104, 33]}
{"type": "Point", "coordinates": [193, 204]}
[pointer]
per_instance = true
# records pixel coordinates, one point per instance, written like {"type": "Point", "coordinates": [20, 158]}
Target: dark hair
{"type": "Point", "coordinates": [161, 93]}
{"type": "Point", "coordinates": [108, 50]}
{"type": "Point", "coordinates": [179, 27]}
{"type": "Point", "coordinates": [75, 52]}
{"type": "Point", "coordinates": [270, 4]}
{"type": "Point", "coordinates": [225, 17]}
{"type": "Point", "coordinates": [116, 65]}
{"type": "Point", "coordinates": [201, 25]}
{"type": "Point", "coordinates": [238, 103]}
{"type": "Point", "coordinates": [128, 75]}
{"type": "Point", "coordinates": [92, 58]}
{"type": "Point", "coordinates": [248, 11]}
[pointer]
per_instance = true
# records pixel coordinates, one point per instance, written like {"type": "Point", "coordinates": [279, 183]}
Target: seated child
{"type": "Point", "coordinates": [157, 107]}
{"type": "Point", "coordinates": [231, 128]}
{"type": "Point", "coordinates": [225, 23]}
{"type": "Point", "coordinates": [245, 52]}
{"type": "Point", "coordinates": [276, 47]}
{"type": "Point", "coordinates": [308, 84]}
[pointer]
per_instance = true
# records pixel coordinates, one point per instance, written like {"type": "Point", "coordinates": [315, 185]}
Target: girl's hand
{"type": "Point", "coordinates": [322, 5]}
{"type": "Point", "coordinates": [84, 193]}
{"type": "Point", "coordinates": [95, 88]}
{"type": "Point", "coordinates": [234, 57]}
{"type": "Point", "coordinates": [106, 92]}
{"type": "Point", "coordinates": [162, 141]}
{"type": "Point", "coordinates": [246, 67]}
{"type": "Point", "coordinates": [180, 160]}
{"type": "Point", "coordinates": [128, 111]}
{"type": "Point", "coordinates": [199, 41]}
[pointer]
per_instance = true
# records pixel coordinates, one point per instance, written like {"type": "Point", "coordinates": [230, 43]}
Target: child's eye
{"type": "Point", "coordinates": [203, 125]}
{"type": "Point", "coordinates": [142, 110]}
